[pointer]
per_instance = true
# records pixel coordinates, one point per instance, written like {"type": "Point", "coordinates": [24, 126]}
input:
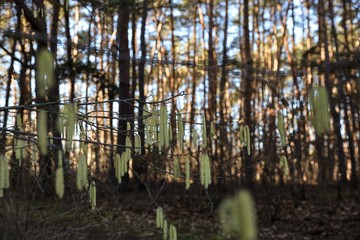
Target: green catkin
{"type": "Point", "coordinates": [81, 173]}
{"type": "Point", "coordinates": [284, 165]}
{"type": "Point", "coordinates": [237, 215]}
{"type": "Point", "coordinates": [247, 139]}
{"type": "Point", "coordinates": [207, 171]}
{"type": "Point", "coordinates": [18, 123]}
{"type": "Point", "coordinates": [118, 167]}
{"type": "Point", "coordinates": [2, 175]}
{"type": "Point", "coordinates": [170, 134]}
{"type": "Point", "coordinates": [281, 128]}
{"type": "Point", "coordinates": [202, 169]}
{"type": "Point", "coordinates": [180, 127]}
{"type": "Point", "coordinates": [163, 132]}
{"type": "Point", "coordinates": [159, 217]}
{"type": "Point", "coordinates": [70, 124]}
{"type": "Point", "coordinates": [128, 145]}
{"type": "Point", "coordinates": [20, 150]}
{"type": "Point", "coordinates": [124, 160]}
{"type": "Point", "coordinates": [137, 142]}
{"type": "Point", "coordinates": [187, 172]}
{"type": "Point", "coordinates": [212, 130]}
{"type": "Point", "coordinates": [245, 136]}
{"type": "Point", "coordinates": [241, 132]}
{"type": "Point", "coordinates": [246, 214]}
{"type": "Point", "coordinates": [92, 193]}
{"type": "Point", "coordinates": [60, 124]}
{"type": "Point", "coordinates": [204, 134]}
{"type": "Point", "coordinates": [34, 154]}
{"type": "Point", "coordinates": [248, 148]}
{"type": "Point", "coordinates": [6, 173]}
{"type": "Point", "coordinates": [324, 108]}
{"type": "Point", "coordinates": [173, 233]}
{"type": "Point", "coordinates": [146, 120]}
{"type": "Point", "coordinates": [319, 109]}
{"type": "Point", "coordinates": [59, 177]}
{"type": "Point", "coordinates": [176, 168]}
{"type": "Point", "coordinates": [45, 71]}
{"type": "Point", "coordinates": [165, 229]}
{"type": "Point", "coordinates": [85, 173]}
{"type": "Point", "coordinates": [42, 131]}
{"type": "Point", "coordinates": [154, 122]}
{"type": "Point", "coordinates": [195, 138]}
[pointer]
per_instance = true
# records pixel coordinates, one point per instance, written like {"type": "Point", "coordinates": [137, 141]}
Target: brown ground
{"type": "Point", "coordinates": [132, 216]}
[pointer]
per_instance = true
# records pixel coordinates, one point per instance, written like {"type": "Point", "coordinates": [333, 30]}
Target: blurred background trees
{"type": "Point", "coordinates": [234, 62]}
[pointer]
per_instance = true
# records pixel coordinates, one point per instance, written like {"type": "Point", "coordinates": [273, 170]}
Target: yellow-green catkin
{"type": "Point", "coordinates": [70, 124]}
{"type": "Point", "coordinates": [237, 215]}
{"type": "Point", "coordinates": [247, 139]}
{"type": "Point", "coordinates": [205, 170]}
{"type": "Point", "coordinates": [118, 167]}
{"type": "Point", "coordinates": [195, 138]}
{"type": "Point", "coordinates": [241, 133]}
{"type": "Point", "coordinates": [245, 212]}
{"type": "Point", "coordinates": [59, 177]}
{"type": "Point", "coordinates": [163, 128]}
{"type": "Point", "coordinates": [281, 128]}
{"type": "Point", "coordinates": [187, 172]}
{"type": "Point", "coordinates": [202, 169]}
{"type": "Point", "coordinates": [170, 134]}
{"type": "Point", "coordinates": [20, 150]}
{"type": "Point", "coordinates": [60, 122]}
{"type": "Point", "coordinates": [212, 130]}
{"type": "Point", "coordinates": [172, 232]}
{"type": "Point", "coordinates": [4, 174]}
{"type": "Point", "coordinates": [319, 109]}
{"type": "Point", "coordinates": [137, 143]}
{"type": "Point", "coordinates": [92, 193]}
{"type": "Point", "coordinates": [159, 217]}
{"type": "Point", "coordinates": [34, 155]}
{"type": "Point", "coordinates": [81, 174]}
{"type": "Point", "coordinates": [180, 134]}
{"type": "Point", "coordinates": [284, 165]}
{"type": "Point", "coordinates": [127, 151]}
{"type": "Point", "coordinates": [165, 229]}
{"type": "Point", "coordinates": [176, 168]}
{"type": "Point", "coordinates": [45, 71]}
{"type": "Point", "coordinates": [204, 134]}
{"type": "Point", "coordinates": [147, 121]}
{"type": "Point", "coordinates": [42, 131]}
{"type": "Point", "coordinates": [155, 120]}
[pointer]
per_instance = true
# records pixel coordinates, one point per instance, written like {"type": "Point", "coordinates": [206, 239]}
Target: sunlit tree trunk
{"type": "Point", "coordinates": [344, 100]}
{"type": "Point", "coordinates": [325, 78]}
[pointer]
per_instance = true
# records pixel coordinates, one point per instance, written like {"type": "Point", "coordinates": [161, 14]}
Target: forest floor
{"type": "Point", "coordinates": [132, 216]}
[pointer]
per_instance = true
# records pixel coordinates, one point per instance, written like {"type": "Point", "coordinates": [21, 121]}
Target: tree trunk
{"type": "Point", "coordinates": [124, 79]}
{"type": "Point", "coordinates": [247, 89]}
